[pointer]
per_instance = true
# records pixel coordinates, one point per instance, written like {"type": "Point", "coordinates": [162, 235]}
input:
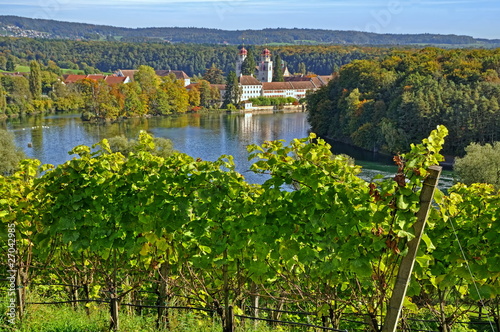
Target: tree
{"type": "Point", "coordinates": [194, 96]}
{"type": "Point", "coordinates": [3, 99]}
{"type": "Point", "coordinates": [18, 93]}
{"type": "Point", "coordinates": [52, 67]}
{"type": "Point", "coordinates": [175, 95]}
{"type": "Point", "coordinates": [35, 80]}
{"type": "Point", "coordinates": [10, 154]}
{"type": "Point", "coordinates": [10, 65]}
{"type": "Point", "coordinates": [48, 81]}
{"type": "Point", "coordinates": [278, 70]}
{"type": "Point", "coordinates": [302, 68]}
{"type": "Point", "coordinates": [163, 147]}
{"type": "Point", "coordinates": [248, 65]}
{"type": "Point", "coordinates": [214, 75]}
{"type": "Point", "coordinates": [3, 62]}
{"type": "Point", "coordinates": [96, 98]}
{"type": "Point", "coordinates": [147, 79]}
{"type": "Point", "coordinates": [88, 69]}
{"type": "Point", "coordinates": [205, 94]}
{"type": "Point", "coordinates": [481, 164]}
{"type": "Point", "coordinates": [133, 104]}
{"type": "Point", "coordinates": [215, 96]}
{"type": "Point", "coordinates": [233, 93]}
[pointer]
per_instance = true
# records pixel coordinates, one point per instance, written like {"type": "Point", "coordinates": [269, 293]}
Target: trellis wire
{"type": "Point", "coordinates": [470, 271]}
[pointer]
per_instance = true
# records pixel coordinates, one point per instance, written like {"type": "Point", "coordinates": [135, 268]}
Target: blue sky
{"type": "Point", "coordinates": [477, 18]}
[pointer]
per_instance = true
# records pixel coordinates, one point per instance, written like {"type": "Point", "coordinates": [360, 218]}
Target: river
{"type": "Point", "coordinates": [206, 136]}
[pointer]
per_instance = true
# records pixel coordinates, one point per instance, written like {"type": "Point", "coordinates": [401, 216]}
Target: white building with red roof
{"type": "Point", "coordinates": [250, 87]}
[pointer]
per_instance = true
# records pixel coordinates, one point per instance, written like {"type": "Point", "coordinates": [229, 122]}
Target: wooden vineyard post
{"type": "Point", "coordinates": [408, 261]}
{"type": "Point", "coordinates": [114, 311]}
{"type": "Point", "coordinates": [115, 323]}
{"type": "Point", "coordinates": [20, 294]}
{"type": "Point", "coordinates": [230, 319]}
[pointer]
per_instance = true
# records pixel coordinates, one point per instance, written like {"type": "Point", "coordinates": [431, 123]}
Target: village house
{"type": "Point", "coordinates": [250, 87]}
{"type": "Point", "coordinates": [179, 74]}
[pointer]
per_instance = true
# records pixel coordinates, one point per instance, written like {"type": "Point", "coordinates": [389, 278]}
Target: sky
{"type": "Point", "coordinates": [477, 18]}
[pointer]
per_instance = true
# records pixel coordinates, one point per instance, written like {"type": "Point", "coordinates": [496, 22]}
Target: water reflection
{"type": "Point", "coordinates": [205, 136]}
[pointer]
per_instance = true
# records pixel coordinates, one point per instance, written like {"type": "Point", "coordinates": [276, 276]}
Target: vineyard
{"type": "Point", "coordinates": [167, 233]}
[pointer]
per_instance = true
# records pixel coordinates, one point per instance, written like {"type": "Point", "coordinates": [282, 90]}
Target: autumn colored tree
{"type": "Point", "coordinates": [133, 104]}
{"type": "Point", "coordinates": [389, 102]}
{"type": "Point", "coordinates": [147, 80]}
{"type": "Point", "coordinates": [173, 95]}
{"type": "Point", "coordinates": [96, 99]}
{"type": "Point", "coordinates": [194, 96]}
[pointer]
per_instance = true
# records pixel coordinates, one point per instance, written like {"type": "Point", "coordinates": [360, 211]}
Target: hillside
{"type": "Point", "coordinates": [40, 28]}
{"type": "Point", "coordinates": [386, 103]}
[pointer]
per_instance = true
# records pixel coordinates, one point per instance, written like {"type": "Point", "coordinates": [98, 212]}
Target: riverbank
{"type": "Point", "coordinates": [271, 109]}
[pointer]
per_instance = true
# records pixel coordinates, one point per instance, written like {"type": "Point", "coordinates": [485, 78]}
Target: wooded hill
{"type": "Point", "coordinates": [27, 27]}
{"type": "Point", "coordinates": [108, 56]}
{"type": "Point", "coordinates": [386, 103]}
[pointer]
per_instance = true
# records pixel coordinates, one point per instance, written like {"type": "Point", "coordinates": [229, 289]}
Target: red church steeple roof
{"type": "Point", "coordinates": [266, 52]}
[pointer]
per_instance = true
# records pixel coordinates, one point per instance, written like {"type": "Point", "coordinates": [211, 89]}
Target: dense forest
{"type": "Point", "coordinates": [192, 59]}
{"type": "Point", "coordinates": [21, 26]}
{"type": "Point", "coordinates": [386, 103]}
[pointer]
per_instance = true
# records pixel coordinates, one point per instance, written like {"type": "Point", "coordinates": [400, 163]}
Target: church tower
{"type": "Point", "coordinates": [265, 67]}
{"type": "Point", "coordinates": [242, 55]}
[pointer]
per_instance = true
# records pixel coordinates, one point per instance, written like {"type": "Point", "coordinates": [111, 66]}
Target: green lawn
{"type": "Point", "coordinates": [73, 71]}
{"type": "Point", "coordinates": [22, 69]}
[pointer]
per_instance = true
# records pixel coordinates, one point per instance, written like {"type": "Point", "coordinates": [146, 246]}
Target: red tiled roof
{"type": "Point", "coordinates": [297, 78]}
{"type": "Point", "coordinates": [266, 52]}
{"type": "Point", "coordinates": [243, 51]}
{"type": "Point", "coordinates": [303, 85]}
{"type": "Point", "coordinates": [115, 79]}
{"type": "Point", "coordinates": [179, 74]}
{"type": "Point", "coordinates": [190, 86]}
{"type": "Point", "coordinates": [110, 79]}
{"type": "Point", "coordinates": [73, 78]}
{"type": "Point", "coordinates": [249, 80]}
{"type": "Point", "coordinates": [96, 77]}
{"type": "Point", "coordinates": [127, 72]}
{"type": "Point", "coordinates": [317, 82]}
{"type": "Point", "coordinates": [276, 86]}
